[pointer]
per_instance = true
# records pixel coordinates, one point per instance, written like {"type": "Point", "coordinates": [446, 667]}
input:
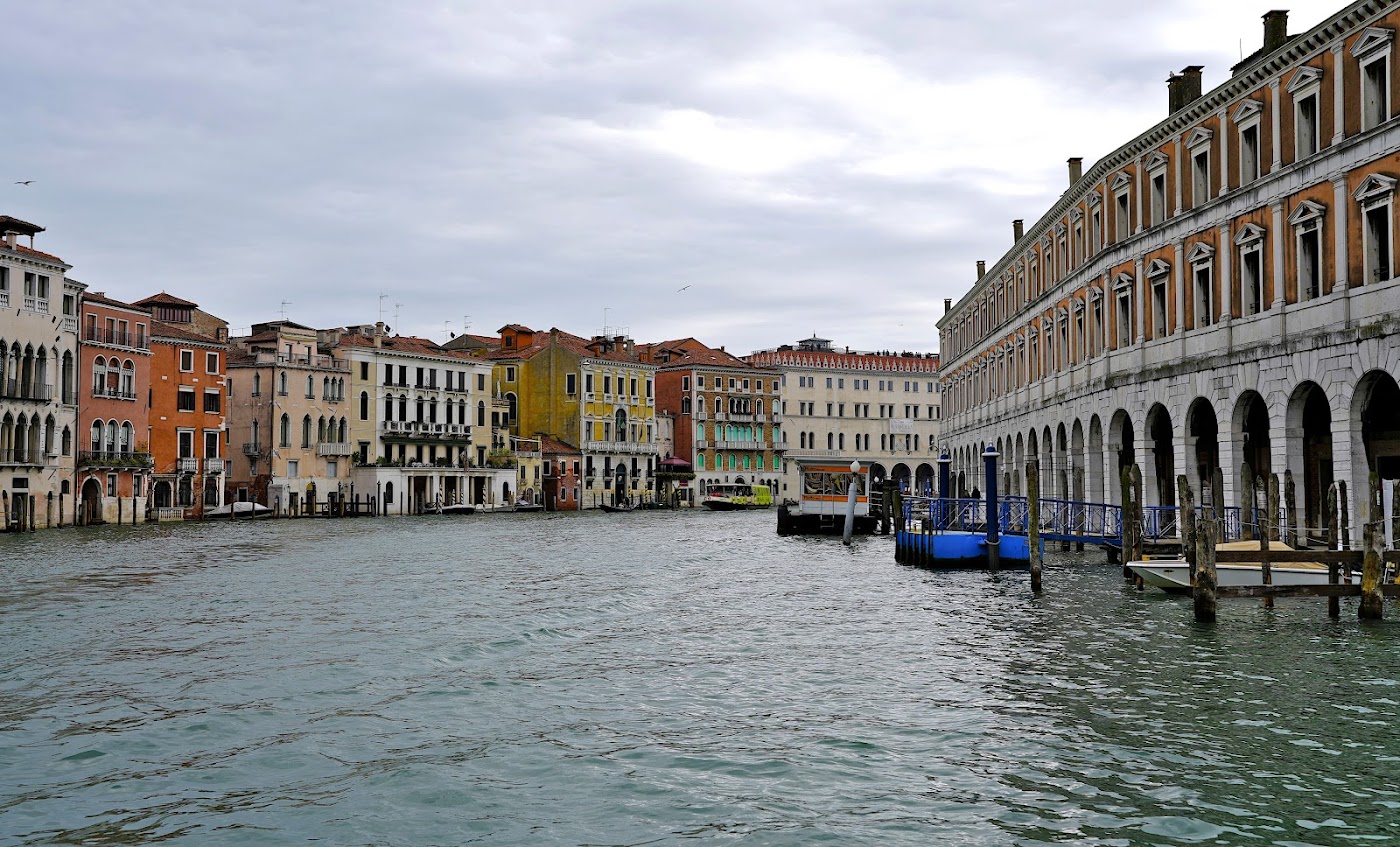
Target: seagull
{"type": "Point", "coordinates": [23, 181]}
{"type": "Point", "coordinates": [682, 288]}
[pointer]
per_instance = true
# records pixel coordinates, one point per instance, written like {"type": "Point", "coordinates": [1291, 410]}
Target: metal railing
{"type": "Point", "coordinates": [618, 447]}
{"type": "Point", "coordinates": [14, 389]}
{"type": "Point", "coordinates": [252, 449]}
{"type": "Point", "coordinates": [112, 393]}
{"type": "Point", "coordinates": [116, 337]}
{"type": "Point", "coordinates": [1065, 520]}
{"type": "Point", "coordinates": [21, 456]}
{"type": "Point", "coordinates": [113, 459]}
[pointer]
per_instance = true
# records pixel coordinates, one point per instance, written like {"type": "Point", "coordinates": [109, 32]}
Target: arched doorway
{"type": "Point", "coordinates": [1095, 460]}
{"type": "Point", "coordinates": [1120, 444]}
{"type": "Point", "coordinates": [1308, 441]}
{"type": "Point", "coordinates": [899, 475]}
{"type": "Point", "coordinates": [1202, 443]}
{"type": "Point", "coordinates": [1251, 431]}
{"type": "Point", "coordinates": [1163, 466]}
{"type": "Point", "coordinates": [161, 494]}
{"type": "Point", "coordinates": [1374, 409]}
{"type": "Point", "coordinates": [923, 479]}
{"type": "Point", "coordinates": [877, 474]}
{"type": "Point", "coordinates": [92, 502]}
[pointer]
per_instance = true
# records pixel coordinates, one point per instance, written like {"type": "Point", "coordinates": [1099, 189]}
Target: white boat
{"type": "Point", "coordinates": [241, 509]}
{"type": "Point", "coordinates": [1175, 574]}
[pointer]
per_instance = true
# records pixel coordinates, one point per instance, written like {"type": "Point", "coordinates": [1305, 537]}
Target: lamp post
{"type": "Point", "coordinates": [851, 504]}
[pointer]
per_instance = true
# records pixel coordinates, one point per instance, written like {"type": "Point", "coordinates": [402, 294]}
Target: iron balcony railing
{"type": "Point", "coordinates": [109, 393]}
{"type": "Point", "coordinates": [113, 459]}
{"type": "Point", "coordinates": [21, 456]}
{"type": "Point", "coordinates": [116, 337]}
{"type": "Point", "coordinates": [252, 448]}
{"type": "Point", "coordinates": [15, 389]}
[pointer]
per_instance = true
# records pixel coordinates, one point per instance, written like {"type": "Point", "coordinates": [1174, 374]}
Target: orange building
{"type": "Point", "coordinates": [188, 435]}
{"type": "Point", "coordinates": [114, 360]}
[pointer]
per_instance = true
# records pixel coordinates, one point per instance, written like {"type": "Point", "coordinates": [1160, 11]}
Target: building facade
{"type": "Point", "coordinates": [188, 408]}
{"type": "Point", "coordinates": [596, 393]}
{"type": "Point", "coordinates": [38, 381]}
{"type": "Point", "coordinates": [114, 374]}
{"type": "Point", "coordinates": [726, 412]}
{"type": "Point", "coordinates": [1218, 292]}
{"type": "Point", "coordinates": [882, 408]}
{"type": "Point", "coordinates": [288, 414]}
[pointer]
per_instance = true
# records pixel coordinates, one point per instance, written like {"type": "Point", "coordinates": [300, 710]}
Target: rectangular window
{"type": "Point", "coordinates": [211, 363]}
{"type": "Point", "coordinates": [1251, 280]}
{"type": "Point", "coordinates": [571, 384]}
{"type": "Point", "coordinates": [1200, 177]}
{"type": "Point", "coordinates": [212, 401]}
{"type": "Point", "coordinates": [1159, 308]}
{"type": "Point", "coordinates": [481, 382]}
{"type": "Point", "coordinates": [185, 400]}
{"type": "Point", "coordinates": [187, 361]}
{"type": "Point", "coordinates": [211, 447]}
{"type": "Point", "coordinates": [1095, 230]}
{"type": "Point", "coordinates": [1122, 228]}
{"type": "Point", "coordinates": [1205, 296]}
{"type": "Point", "coordinates": [1125, 318]}
{"type": "Point", "coordinates": [1376, 233]}
{"type": "Point", "coordinates": [1249, 154]}
{"type": "Point", "coordinates": [828, 382]}
{"type": "Point", "coordinates": [685, 383]}
{"type": "Point", "coordinates": [293, 467]}
{"type": "Point", "coordinates": [1305, 126]}
{"type": "Point", "coordinates": [588, 383]}
{"type": "Point", "coordinates": [1159, 198]}
{"type": "Point", "coordinates": [1309, 262]}
{"type": "Point", "coordinates": [1375, 93]}
{"type": "Point", "coordinates": [607, 384]}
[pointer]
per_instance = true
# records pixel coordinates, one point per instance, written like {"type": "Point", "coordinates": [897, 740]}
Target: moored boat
{"type": "Point", "coordinates": [732, 496]}
{"type": "Point", "coordinates": [1174, 575]}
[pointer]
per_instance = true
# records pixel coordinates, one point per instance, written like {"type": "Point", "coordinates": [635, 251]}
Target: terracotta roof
{"type": "Point", "coordinates": [690, 353]}
{"type": "Point", "coordinates": [573, 343]}
{"type": "Point", "coordinates": [163, 299]}
{"type": "Point", "coordinates": [160, 329]}
{"type": "Point", "coordinates": [554, 446]}
{"type": "Point", "coordinates": [30, 251]}
{"type": "Point", "coordinates": [102, 299]}
{"type": "Point", "coordinates": [405, 344]}
{"type": "Point", "coordinates": [845, 361]}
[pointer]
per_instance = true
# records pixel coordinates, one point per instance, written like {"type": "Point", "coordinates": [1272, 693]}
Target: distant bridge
{"type": "Point", "coordinates": [1060, 520]}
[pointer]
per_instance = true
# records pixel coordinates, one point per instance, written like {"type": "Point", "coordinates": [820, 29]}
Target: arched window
{"type": "Point", "coordinates": [128, 378]}
{"type": "Point", "coordinates": [285, 431]}
{"type": "Point", "coordinates": [841, 441]}
{"type": "Point", "coordinates": [99, 376]}
{"type": "Point", "coordinates": [321, 428]}
{"type": "Point", "coordinates": [341, 432]}
{"type": "Point", "coordinates": [306, 431]}
{"type": "Point", "coordinates": [97, 436]}
{"type": "Point", "coordinates": [326, 389]}
{"type": "Point", "coordinates": [340, 389]}
{"type": "Point", "coordinates": [110, 445]}
{"type": "Point", "coordinates": [364, 405]}
{"type": "Point", "coordinates": [257, 384]}
{"type": "Point", "coordinates": [685, 405]}
{"type": "Point", "coordinates": [67, 441]}
{"type": "Point", "coordinates": [126, 437]}
{"type": "Point", "coordinates": [511, 408]}
{"type": "Point", "coordinates": [418, 408]}
{"type": "Point", "coordinates": [310, 386]}
{"type": "Point", "coordinates": [481, 413]}
{"type": "Point", "coordinates": [389, 408]}
{"type": "Point", "coordinates": [699, 461]}
{"type": "Point", "coordinates": [255, 435]}
{"type": "Point", "coordinates": [830, 441]}
{"type": "Point", "coordinates": [621, 424]}
{"type": "Point", "coordinates": [282, 383]}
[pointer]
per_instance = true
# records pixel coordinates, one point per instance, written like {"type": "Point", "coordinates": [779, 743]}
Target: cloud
{"type": "Point", "coordinates": [818, 165]}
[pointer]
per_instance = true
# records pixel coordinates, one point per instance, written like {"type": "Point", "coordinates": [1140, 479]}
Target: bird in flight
{"type": "Point", "coordinates": [23, 181]}
{"type": "Point", "coordinates": [682, 288]}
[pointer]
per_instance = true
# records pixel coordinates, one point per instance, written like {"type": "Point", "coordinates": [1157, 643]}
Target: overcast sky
{"type": "Point", "coordinates": [816, 166]}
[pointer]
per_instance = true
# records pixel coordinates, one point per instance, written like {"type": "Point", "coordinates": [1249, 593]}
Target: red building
{"type": "Point", "coordinates": [188, 435]}
{"type": "Point", "coordinates": [114, 372]}
{"type": "Point", "coordinates": [561, 483]}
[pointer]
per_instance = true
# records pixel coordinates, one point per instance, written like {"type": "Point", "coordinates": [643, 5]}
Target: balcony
{"type": "Point", "coordinates": [813, 454]}
{"type": "Point", "coordinates": [186, 464]}
{"type": "Point", "coordinates": [114, 459]}
{"type": "Point", "coordinates": [780, 445]}
{"type": "Point", "coordinates": [70, 324]}
{"type": "Point", "coordinates": [109, 393]}
{"type": "Point", "coordinates": [14, 389]}
{"type": "Point", "coordinates": [36, 304]}
{"type": "Point", "coordinates": [116, 338]}
{"type": "Point", "coordinates": [333, 448]}
{"type": "Point", "coordinates": [702, 444]}
{"type": "Point", "coordinates": [21, 456]}
{"type": "Point", "coordinates": [528, 454]}
{"type": "Point", "coordinates": [323, 363]}
{"type": "Point", "coordinates": [253, 449]}
{"type": "Point", "coordinates": [738, 445]}
{"type": "Point", "coordinates": [618, 447]}
{"type": "Point", "coordinates": [213, 466]}
{"type": "Point", "coordinates": [425, 430]}
{"type": "Point", "coordinates": [777, 417]}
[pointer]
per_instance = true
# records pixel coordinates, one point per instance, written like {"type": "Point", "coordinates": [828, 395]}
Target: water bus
{"type": "Point", "coordinates": [737, 495]}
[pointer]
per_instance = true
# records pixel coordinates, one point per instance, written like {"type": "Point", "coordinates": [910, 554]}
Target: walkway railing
{"type": "Point", "coordinates": [1061, 520]}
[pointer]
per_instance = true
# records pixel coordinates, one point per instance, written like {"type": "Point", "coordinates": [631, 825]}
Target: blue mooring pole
{"type": "Point", "coordinates": [945, 472]}
{"type": "Point", "coordinates": [993, 518]}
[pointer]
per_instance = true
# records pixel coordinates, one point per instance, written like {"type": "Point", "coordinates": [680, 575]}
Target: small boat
{"type": "Point", "coordinates": [1174, 575]}
{"type": "Point", "coordinates": [529, 507]}
{"type": "Point", "coordinates": [611, 509]}
{"type": "Point", "coordinates": [238, 511]}
{"type": "Point", "coordinates": [457, 509]}
{"type": "Point", "coordinates": [731, 496]}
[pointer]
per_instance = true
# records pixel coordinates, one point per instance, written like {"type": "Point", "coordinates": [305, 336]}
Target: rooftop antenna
{"type": "Point", "coordinates": [397, 306]}
{"type": "Point", "coordinates": [382, 298]}
{"type": "Point", "coordinates": [606, 309]}
{"type": "Point", "coordinates": [285, 304]}
{"type": "Point", "coordinates": [466, 324]}
{"type": "Point", "coordinates": [447, 330]}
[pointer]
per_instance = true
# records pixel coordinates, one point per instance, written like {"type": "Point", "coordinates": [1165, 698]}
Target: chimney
{"type": "Point", "coordinates": [1018, 229]}
{"type": "Point", "coordinates": [1076, 170]}
{"type": "Point", "coordinates": [1188, 86]}
{"type": "Point", "coordinates": [1173, 93]}
{"type": "Point", "coordinates": [981, 268]}
{"type": "Point", "coordinates": [10, 237]}
{"type": "Point", "coordinates": [948, 304]}
{"type": "Point", "coordinates": [1275, 29]}
{"type": "Point", "coordinates": [378, 333]}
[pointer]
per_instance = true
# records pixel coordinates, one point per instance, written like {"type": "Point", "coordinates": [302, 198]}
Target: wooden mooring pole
{"type": "Point", "coordinates": [1188, 521]}
{"type": "Point", "coordinates": [1334, 604]}
{"type": "Point", "coordinates": [1033, 522]}
{"type": "Point", "coordinates": [1371, 598]}
{"type": "Point", "coordinates": [1344, 515]}
{"type": "Point", "coordinates": [1290, 508]}
{"type": "Point", "coordinates": [1203, 591]}
{"type": "Point", "coordinates": [1136, 473]}
{"type": "Point", "coordinates": [1268, 530]}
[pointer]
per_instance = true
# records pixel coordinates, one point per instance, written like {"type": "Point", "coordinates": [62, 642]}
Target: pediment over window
{"type": "Point", "coordinates": [1307, 211]}
{"type": "Point", "coordinates": [1158, 268]}
{"type": "Point", "coordinates": [1248, 234]}
{"type": "Point", "coordinates": [1304, 77]}
{"type": "Point", "coordinates": [1077, 304]}
{"type": "Point", "coordinates": [1076, 215]}
{"type": "Point", "coordinates": [1200, 252]}
{"type": "Point", "coordinates": [1245, 110]}
{"type": "Point", "coordinates": [1122, 180]}
{"type": "Point", "coordinates": [1122, 281]}
{"type": "Point", "coordinates": [1198, 136]}
{"type": "Point", "coordinates": [1372, 39]}
{"type": "Point", "coordinates": [1095, 200]}
{"type": "Point", "coordinates": [1157, 160]}
{"type": "Point", "coordinates": [1060, 229]}
{"type": "Point", "coordinates": [1374, 187]}
{"type": "Point", "coordinates": [1046, 242]}
{"type": "Point", "coordinates": [1095, 293]}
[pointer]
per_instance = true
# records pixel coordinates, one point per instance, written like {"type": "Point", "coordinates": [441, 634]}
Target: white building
{"type": "Point", "coordinates": [882, 408]}
{"type": "Point", "coordinates": [38, 388]}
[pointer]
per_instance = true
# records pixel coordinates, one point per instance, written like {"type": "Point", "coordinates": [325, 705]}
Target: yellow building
{"type": "Point", "coordinates": [595, 393]}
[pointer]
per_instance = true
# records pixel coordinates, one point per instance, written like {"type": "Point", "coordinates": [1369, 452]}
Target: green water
{"type": "Point", "coordinates": [660, 679]}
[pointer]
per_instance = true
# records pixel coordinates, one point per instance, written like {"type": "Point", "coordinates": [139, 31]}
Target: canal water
{"type": "Point", "coordinates": [660, 678]}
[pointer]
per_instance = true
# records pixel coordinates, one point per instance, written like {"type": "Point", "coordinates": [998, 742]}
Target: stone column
{"type": "Point", "coordinates": [1176, 159]}
{"type": "Point", "coordinates": [1280, 302]}
{"type": "Point", "coordinates": [1224, 168]}
{"type": "Point", "coordinates": [1338, 95]}
{"type": "Point", "coordinates": [1178, 279]}
{"type": "Point", "coordinates": [1340, 205]}
{"type": "Point", "coordinates": [1277, 132]}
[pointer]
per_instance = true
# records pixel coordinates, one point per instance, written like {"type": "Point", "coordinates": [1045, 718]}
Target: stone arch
{"type": "Point", "coordinates": [1159, 471]}
{"type": "Point", "coordinates": [1307, 443]}
{"type": "Point", "coordinates": [1202, 444]}
{"type": "Point", "coordinates": [1094, 471]}
{"type": "Point", "coordinates": [1249, 432]}
{"type": "Point", "coordinates": [1122, 450]}
{"type": "Point", "coordinates": [1375, 437]}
